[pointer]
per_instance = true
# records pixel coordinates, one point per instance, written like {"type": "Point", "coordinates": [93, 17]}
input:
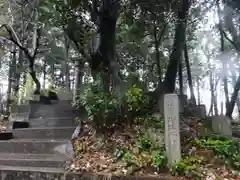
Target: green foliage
{"type": "Point", "coordinates": [150, 121]}
{"type": "Point", "coordinates": [224, 148]}
{"type": "Point", "coordinates": [128, 157]}
{"type": "Point", "coordinates": [159, 159]}
{"type": "Point", "coordinates": [100, 105]}
{"type": "Point", "coordinates": [145, 143]}
{"type": "Point", "coordinates": [188, 166]}
{"type": "Point", "coordinates": [135, 99]}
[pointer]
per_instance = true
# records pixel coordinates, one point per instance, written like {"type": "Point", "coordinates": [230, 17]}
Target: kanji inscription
{"type": "Point", "coordinates": [172, 129]}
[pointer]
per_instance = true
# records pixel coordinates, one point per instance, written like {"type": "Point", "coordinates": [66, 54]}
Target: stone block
{"type": "Point", "coordinates": [200, 111]}
{"type": "Point", "coordinates": [172, 127]}
{"type": "Point", "coordinates": [20, 117]}
{"type": "Point", "coordinates": [222, 125]}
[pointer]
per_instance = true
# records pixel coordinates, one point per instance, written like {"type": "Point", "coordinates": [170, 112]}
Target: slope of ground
{"type": "Point", "coordinates": [132, 151]}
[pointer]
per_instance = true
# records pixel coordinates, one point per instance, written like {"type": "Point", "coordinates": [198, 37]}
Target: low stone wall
{"type": "Point", "coordinates": [31, 175]}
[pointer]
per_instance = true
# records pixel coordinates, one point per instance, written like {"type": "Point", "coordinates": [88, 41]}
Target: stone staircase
{"type": "Point", "coordinates": [41, 149]}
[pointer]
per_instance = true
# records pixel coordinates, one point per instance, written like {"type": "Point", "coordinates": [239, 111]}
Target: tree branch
{"type": "Point", "coordinates": [231, 41]}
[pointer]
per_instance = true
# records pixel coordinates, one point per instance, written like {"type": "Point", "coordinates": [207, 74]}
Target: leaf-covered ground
{"type": "Point", "coordinates": [132, 152]}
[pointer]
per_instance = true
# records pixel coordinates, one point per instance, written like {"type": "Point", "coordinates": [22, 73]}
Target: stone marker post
{"type": "Point", "coordinates": [172, 128]}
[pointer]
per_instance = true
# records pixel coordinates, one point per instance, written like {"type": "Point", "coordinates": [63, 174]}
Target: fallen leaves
{"type": "Point", "coordinates": [95, 154]}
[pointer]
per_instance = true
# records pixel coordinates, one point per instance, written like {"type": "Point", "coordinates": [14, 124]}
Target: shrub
{"type": "Point", "coordinates": [101, 106]}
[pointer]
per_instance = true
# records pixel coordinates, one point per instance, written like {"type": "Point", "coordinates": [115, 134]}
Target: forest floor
{"type": "Point", "coordinates": [132, 151]}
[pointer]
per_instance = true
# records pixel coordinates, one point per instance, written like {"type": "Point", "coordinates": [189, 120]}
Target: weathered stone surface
{"type": "Point", "coordinates": [44, 133]}
{"type": "Point", "coordinates": [172, 127]}
{"type": "Point", "coordinates": [37, 146]}
{"type": "Point", "coordinates": [19, 112]}
{"type": "Point", "coordinates": [21, 175]}
{"type": "Point", "coordinates": [53, 122]}
{"type": "Point", "coordinates": [222, 125]}
{"type": "Point", "coordinates": [61, 109]}
{"type": "Point", "coordinates": [65, 94]}
{"type": "Point", "coordinates": [32, 160]}
{"type": "Point", "coordinates": [200, 111]}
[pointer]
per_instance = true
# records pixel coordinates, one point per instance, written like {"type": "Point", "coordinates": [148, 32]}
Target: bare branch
{"type": "Point", "coordinates": [231, 41]}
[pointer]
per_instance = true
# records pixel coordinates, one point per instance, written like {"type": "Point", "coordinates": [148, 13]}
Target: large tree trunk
{"type": "Point", "coordinates": [178, 45]}
{"type": "Point", "coordinates": [190, 83]}
{"type": "Point", "coordinates": [103, 59]}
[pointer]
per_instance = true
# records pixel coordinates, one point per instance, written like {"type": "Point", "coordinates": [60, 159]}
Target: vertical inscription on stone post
{"type": "Point", "coordinates": [172, 128]}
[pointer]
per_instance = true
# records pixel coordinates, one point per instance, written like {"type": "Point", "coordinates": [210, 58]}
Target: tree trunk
{"type": "Point", "coordinates": [12, 64]}
{"type": "Point", "coordinates": [224, 63]}
{"type": "Point", "coordinates": [44, 74]}
{"type": "Point", "coordinates": [33, 74]}
{"type": "Point", "coordinates": [193, 99]}
{"type": "Point", "coordinates": [198, 90]}
{"type": "Point", "coordinates": [103, 59]}
{"type": "Point", "coordinates": [18, 73]}
{"type": "Point", "coordinates": [231, 105]}
{"type": "Point", "coordinates": [180, 74]}
{"type": "Point", "coordinates": [65, 64]}
{"type": "Point", "coordinates": [215, 98]}
{"type": "Point", "coordinates": [156, 43]}
{"type": "Point", "coordinates": [178, 45]}
{"type": "Point", "coordinates": [79, 73]}
{"type": "Point", "coordinates": [212, 89]}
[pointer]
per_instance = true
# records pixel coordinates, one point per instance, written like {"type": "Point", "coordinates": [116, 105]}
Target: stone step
{"type": "Point", "coordinates": [44, 132]}
{"type": "Point", "coordinates": [33, 160]}
{"type": "Point", "coordinates": [36, 173]}
{"type": "Point", "coordinates": [31, 173]}
{"type": "Point", "coordinates": [52, 122]}
{"type": "Point", "coordinates": [36, 146]}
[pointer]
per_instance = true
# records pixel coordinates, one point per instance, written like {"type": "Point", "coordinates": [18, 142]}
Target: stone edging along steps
{"type": "Point", "coordinates": [30, 173]}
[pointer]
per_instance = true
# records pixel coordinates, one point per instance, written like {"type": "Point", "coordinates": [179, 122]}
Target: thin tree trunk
{"type": "Point", "coordinates": [79, 73]}
{"type": "Point", "coordinates": [156, 43]}
{"type": "Point", "coordinates": [44, 74]}
{"type": "Point", "coordinates": [9, 91]}
{"type": "Point", "coordinates": [65, 65]}
{"type": "Point", "coordinates": [215, 97]}
{"type": "Point", "coordinates": [193, 99]}
{"type": "Point", "coordinates": [230, 108]}
{"type": "Point", "coordinates": [198, 90]}
{"type": "Point", "coordinates": [180, 74]}
{"type": "Point", "coordinates": [18, 73]}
